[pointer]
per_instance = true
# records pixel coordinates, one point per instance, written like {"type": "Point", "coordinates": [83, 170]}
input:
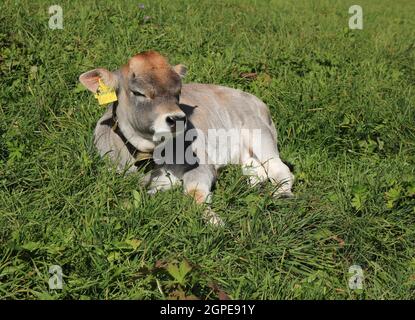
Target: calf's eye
{"type": "Point", "coordinates": [138, 94]}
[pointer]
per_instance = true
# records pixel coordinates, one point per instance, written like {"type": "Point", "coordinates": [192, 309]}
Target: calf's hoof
{"type": "Point", "coordinates": [212, 218]}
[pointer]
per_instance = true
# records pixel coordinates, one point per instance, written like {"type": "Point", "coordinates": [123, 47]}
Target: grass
{"type": "Point", "coordinates": [342, 100]}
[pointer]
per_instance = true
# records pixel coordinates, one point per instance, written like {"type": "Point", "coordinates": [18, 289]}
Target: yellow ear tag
{"type": "Point", "coordinates": [105, 94]}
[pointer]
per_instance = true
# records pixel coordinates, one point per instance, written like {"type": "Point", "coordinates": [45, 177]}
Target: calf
{"type": "Point", "coordinates": [154, 112]}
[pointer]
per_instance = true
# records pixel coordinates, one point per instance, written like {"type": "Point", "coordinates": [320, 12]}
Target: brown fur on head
{"type": "Point", "coordinates": [153, 72]}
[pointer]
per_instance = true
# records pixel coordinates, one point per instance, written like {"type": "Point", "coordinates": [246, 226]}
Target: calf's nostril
{"type": "Point", "coordinates": [172, 121]}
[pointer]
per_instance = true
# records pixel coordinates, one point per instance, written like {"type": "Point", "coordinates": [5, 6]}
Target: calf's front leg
{"type": "Point", "coordinates": [160, 179]}
{"type": "Point", "coordinates": [198, 183]}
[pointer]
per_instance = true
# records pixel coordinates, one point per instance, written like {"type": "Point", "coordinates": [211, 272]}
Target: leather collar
{"type": "Point", "coordinates": [138, 155]}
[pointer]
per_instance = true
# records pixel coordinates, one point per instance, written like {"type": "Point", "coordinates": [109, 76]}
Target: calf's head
{"type": "Point", "coordinates": [148, 90]}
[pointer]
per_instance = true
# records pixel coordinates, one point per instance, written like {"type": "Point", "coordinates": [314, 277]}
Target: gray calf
{"type": "Point", "coordinates": [154, 111]}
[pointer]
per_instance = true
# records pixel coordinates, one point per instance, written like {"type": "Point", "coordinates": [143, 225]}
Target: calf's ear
{"type": "Point", "coordinates": [90, 79]}
{"type": "Point", "coordinates": [180, 69]}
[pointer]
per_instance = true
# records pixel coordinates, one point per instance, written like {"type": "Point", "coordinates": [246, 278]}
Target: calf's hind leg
{"type": "Point", "coordinates": [266, 164]}
{"type": "Point", "coordinates": [280, 175]}
{"type": "Point", "coordinates": [273, 169]}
